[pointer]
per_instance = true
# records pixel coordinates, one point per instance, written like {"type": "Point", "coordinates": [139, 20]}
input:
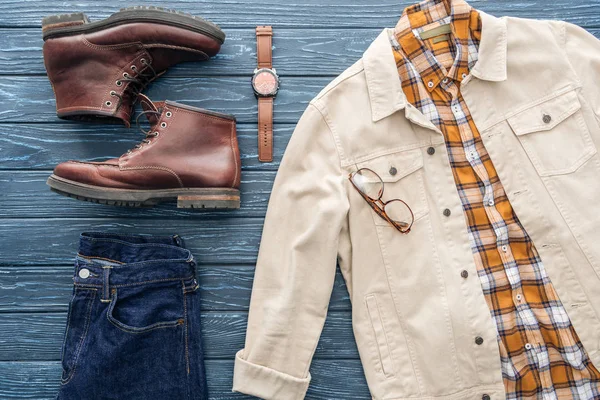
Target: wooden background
{"type": "Point", "coordinates": [314, 41]}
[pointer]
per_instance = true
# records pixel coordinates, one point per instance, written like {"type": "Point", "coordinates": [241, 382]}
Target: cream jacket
{"type": "Point", "coordinates": [414, 317]}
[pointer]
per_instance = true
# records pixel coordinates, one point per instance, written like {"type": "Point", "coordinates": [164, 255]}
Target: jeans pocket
{"type": "Point", "coordinates": [78, 323]}
{"type": "Point", "coordinates": [141, 309]}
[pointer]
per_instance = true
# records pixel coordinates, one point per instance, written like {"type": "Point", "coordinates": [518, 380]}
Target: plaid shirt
{"type": "Point", "coordinates": [541, 354]}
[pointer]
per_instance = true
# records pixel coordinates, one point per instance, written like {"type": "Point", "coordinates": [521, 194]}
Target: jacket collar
{"type": "Point", "coordinates": [383, 83]}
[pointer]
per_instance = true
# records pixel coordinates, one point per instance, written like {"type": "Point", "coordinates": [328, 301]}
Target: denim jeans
{"type": "Point", "coordinates": [133, 329]}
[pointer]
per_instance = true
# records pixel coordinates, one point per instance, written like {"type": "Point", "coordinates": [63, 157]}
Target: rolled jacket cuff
{"type": "Point", "coordinates": [266, 383]}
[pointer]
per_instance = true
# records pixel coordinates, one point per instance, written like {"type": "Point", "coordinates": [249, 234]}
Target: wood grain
{"type": "Point", "coordinates": [26, 194]}
{"type": "Point", "coordinates": [42, 146]}
{"type": "Point", "coordinates": [30, 99]}
{"type": "Point", "coordinates": [39, 337]}
{"type": "Point", "coordinates": [298, 52]}
{"type": "Point", "coordinates": [54, 242]}
{"type": "Point", "coordinates": [308, 13]}
{"type": "Point", "coordinates": [331, 380]}
{"type": "Point", "coordinates": [314, 52]}
{"type": "Point", "coordinates": [47, 288]}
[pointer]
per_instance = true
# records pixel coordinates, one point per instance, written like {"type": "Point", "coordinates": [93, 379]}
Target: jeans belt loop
{"type": "Point", "coordinates": [106, 297]}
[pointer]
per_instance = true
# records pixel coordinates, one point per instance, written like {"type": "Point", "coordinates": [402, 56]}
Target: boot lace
{"type": "Point", "coordinates": [149, 134]}
{"type": "Point", "coordinates": [135, 85]}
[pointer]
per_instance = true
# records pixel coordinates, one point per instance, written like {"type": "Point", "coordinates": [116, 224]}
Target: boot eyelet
{"type": "Point", "coordinates": [163, 124]}
{"type": "Point", "coordinates": [169, 114]}
{"type": "Point", "coordinates": [133, 67]}
{"type": "Point", "coordinates": [125, 75]}
{"type": "Point", "coordinates": [156, 134]}
{"type": "Point", "coordinates": [113, 93]}
{"type": "Point", "coordinates": [108, 104]}
{"type": "Point", "coordinates": [143, 60]}
{"type": "Point", "coordinates": [119, 83]}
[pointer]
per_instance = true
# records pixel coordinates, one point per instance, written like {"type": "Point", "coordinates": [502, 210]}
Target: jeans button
{"type": "Point", "coordinates": [84, 273]}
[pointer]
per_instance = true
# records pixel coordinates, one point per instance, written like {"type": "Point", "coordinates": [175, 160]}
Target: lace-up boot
{"type": "Point", "coordinates": [189, 154]}
{"type": "Point", "coordinates": [98, 68]}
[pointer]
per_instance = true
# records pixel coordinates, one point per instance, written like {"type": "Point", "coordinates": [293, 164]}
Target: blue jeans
{"type": "Point", "coordinates": [133, 329]}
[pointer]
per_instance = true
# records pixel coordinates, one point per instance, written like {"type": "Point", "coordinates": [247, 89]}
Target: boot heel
{"type": "Point", "coordinates": [229, 198]}
{"type": "Point", "coordinates": [61, 21]}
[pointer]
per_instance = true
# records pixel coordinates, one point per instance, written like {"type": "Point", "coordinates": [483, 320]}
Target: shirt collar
{"type": "Point", "coordinates": [430, 14]}
{"type": "Point", "coordinates": [384, 87]}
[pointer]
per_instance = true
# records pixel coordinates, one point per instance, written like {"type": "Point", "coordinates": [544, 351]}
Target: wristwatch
{"type": "Point", "coordinates": [265, 84]}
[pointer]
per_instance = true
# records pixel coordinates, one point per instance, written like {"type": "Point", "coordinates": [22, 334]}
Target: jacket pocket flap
{"type": "Point", "coordinates": [393, 167]}
{"type": "Point", "coordinates": [546, 115]}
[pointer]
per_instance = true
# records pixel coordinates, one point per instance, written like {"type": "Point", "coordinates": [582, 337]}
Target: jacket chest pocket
{"type": "Point", "coordinates": [402, 177]}
{"type": "Point", "coordinates": [554, 135]}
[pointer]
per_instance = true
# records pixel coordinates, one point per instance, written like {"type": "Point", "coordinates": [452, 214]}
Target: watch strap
{"type": "Point", "coordinates": [265, 129]}
{"type": "Point", "coordinates": [264, 55]}
{"type": "Point", "coordinates": [264, 40]}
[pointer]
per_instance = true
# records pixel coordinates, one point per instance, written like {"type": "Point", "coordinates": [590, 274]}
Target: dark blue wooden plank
{"type": "Point", "coordinates": [42, 146]}
{"type": "Point", "coordinates": [297, 52]}
{"type": "Point", "coordinates": [308, 13]}
{"type": "Point", "coordinates": [30, 99]}
{"type": "Point", "coordinates": [305, 52]}
{"type": "Point", "coordinates": [39, 337]}
{"type": "Point", "coordinates": [54, 242]}
{"type": "Point", "coordinates": [49, 288]}
{"type": "Point", "coordinates": [331, 380]}
{"type": "Point", "coordinates": [25, 195]}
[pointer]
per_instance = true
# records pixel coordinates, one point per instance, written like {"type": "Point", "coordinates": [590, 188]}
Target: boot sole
{"type": "Point", "coordinates": [70, 24]}
{"type": "Point", "coordinates": [217, 198]}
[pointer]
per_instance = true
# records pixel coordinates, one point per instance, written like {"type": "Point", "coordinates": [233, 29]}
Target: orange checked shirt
{"type": "Point", "coordinates": [541, 354]}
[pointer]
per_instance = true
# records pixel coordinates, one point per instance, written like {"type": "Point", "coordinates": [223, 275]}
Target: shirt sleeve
{"type": "Point", "coordinates": [583, 52]}
{"type": "Point", "coordinates": [296, 265]}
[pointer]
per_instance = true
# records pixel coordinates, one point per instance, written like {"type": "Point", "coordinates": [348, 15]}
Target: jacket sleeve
{"type": "Point", "coordinates": [296, 265]}
{"type": "Point", "coordinates": [583, 52]}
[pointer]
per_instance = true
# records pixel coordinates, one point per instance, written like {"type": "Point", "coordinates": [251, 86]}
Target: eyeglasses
{"type": "Point", "coordinates": [396, 211]}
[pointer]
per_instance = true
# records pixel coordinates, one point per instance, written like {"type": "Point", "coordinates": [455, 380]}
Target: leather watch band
{"type": "Point", "coordinates": [264, 39]}
{"type": "Point", "coordinates": [265, 129]}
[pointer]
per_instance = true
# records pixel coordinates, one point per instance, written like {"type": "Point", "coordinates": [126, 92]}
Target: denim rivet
{"type": "Point", "coordinates": [84, 273]}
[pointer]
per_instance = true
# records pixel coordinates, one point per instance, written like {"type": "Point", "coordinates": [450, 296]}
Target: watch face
{"type": "Point", "coordinates": [265, 82]}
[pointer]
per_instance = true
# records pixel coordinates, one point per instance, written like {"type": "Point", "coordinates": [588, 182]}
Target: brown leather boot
{"type": "Point", "coordinates": [189, 154]}
{"type": "Point", "coordinates": [97, 68]}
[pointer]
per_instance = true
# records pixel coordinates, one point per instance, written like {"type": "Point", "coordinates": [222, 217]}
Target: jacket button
{"type": "Point", "coordinates": [431, 151]}
{"type": "Point", "coordinates": [479, 340]}
{"type": "Point", "coordinates": [447, 212]}
{"type": "Point", "coordinates": [486, 397]}
{"type": "Point", "coordinates": [393, 171]}
{"type": "Point", "coordinates": [547, 118]}
{"type": "Point", "coordinates": [464, 273]}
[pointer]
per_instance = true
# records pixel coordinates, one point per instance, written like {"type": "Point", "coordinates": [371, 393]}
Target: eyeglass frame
{"type": "Point", "coordinates": [378, 205]}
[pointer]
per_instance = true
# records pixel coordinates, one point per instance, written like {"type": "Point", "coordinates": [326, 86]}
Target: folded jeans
{"type": "Point", "coordinates": [133, 329]}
